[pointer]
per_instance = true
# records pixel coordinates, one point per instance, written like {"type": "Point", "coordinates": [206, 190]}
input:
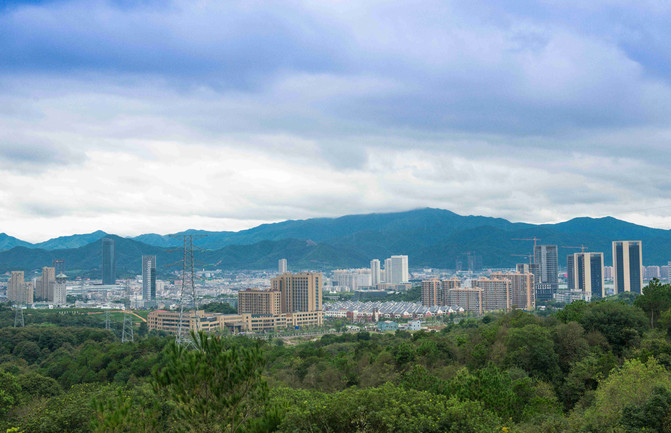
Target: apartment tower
{"type": "Point", "coordinates": [387, 271]}
{"type": "Point", "coordinates": [60, 293]}
{"type": "Point", "coordinates": [44, 289]}
{"type": "Point", "coordinates": [256, 301]}
{"type": "Point", "coordinates": [522, 287]}
{"type": "Point", "coordinates": [374, 272]}
{"type": "Point", "coordinates": [496, 293]}
{"type": "Point", "coordinates": [546, 272]}
{"type": "Point", "coordinates": [399, 269]}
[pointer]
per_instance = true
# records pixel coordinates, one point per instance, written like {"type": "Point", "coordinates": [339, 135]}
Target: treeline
{"type": "Point", "coordinates": [591, 367]}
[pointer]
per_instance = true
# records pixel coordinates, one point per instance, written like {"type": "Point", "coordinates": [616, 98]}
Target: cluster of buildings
{"type": "Point", "coordinates": [394, 275]}
{"type": "Point", "coordinates": [502, 291]}
{"type": "Point", "coordinates": [356, 311]}
{"type": "Point", "coordinates": [292, 301]}
{"type": "Point", "coordinates": [538, 281]}
{"type": "Point", "coordinates": [50, 288]}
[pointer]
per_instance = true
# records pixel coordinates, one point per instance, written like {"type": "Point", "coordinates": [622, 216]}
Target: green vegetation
{"type": "Point", "coordinates": [220, 307]}
{"type": "Point", "coordinates": [590, 367]}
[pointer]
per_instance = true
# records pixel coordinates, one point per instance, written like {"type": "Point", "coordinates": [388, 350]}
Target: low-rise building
{"type": "Point", "coordinates": [212, 322]}
{"type": "Point", "coordinates": [387, 326]}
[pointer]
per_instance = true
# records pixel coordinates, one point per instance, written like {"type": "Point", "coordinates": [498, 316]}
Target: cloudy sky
{"type": "Point", "coordinates": [157, 116]}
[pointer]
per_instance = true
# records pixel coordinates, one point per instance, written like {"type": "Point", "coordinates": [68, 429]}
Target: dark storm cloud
{"type": "Point", "coordinates": [519, 68]}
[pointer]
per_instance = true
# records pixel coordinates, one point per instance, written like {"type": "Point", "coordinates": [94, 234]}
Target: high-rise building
{"type": "Point", "coordinates": [15, 287]}
{"type": "Point", "coordinates": [496, 293]}
{"type": "Point", "coordinates": [149, 280]}
{"type": "Point", "coordinates": [299, 292]}
{"type": "Point", "coordinates": [546, 272]}
{"type": "Point", "coordinates": [28, 294]}
{"type": "Point", "coordinates": [60, 294]}
{"type": "Point", "coordinates": [652, 272]}
{"type": "Point", "coordinates": [388, 274]}
{"type": "Point", "coordinates": [256, 301]}
{"type": "Point", "coordinates": [430, 292]}
{"type": "Point", "coordinates": [523, 268]}
{"type": "Point", "coordinates": [608, 273]}
{"type": "Point", "coordinates": [352, 279]}
{"type": "Point", "coordinates": [523, 293]}
{"type": "Point", "coordinates": [19, 291]}
{"type": "Point", "coordinates": [109, 262]}
{"type": "Point", "coordinates": [399, 269]}
{"type": "Point", "coordinates": [470, 299]}
{"type": "Point", "coordinates": [375, 272]}
{"type": "Point", "coordinates": [585, 273]}
{"type": "Point", "coordinates": [627, 261]}
{"type": "Point", "coordinates": [436, 292]}
{"type": "Point", "coordinates": [44, 289]}
{"type": "Point", "coordinates": [282, 266]}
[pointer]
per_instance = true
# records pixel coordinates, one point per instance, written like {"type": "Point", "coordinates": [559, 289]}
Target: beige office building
{"type": "Point", "coordinates": [585, 273]}
{"type": "Point", "coordinates": [522, 287]}
{"type": "Point", "coordinates": [627, 262]}
{"type": "Point", "coordinates": [496, 293]}
{"type": "Point", "coordinates": [256, 301]}
{"type": "Point", "coordinates": [214, 322]}
{"type": "Point", "coordinates": [299, 292]}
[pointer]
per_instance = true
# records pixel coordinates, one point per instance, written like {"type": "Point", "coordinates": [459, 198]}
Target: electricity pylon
{"type": "Point", "coordinates": [188, 289]}
{"type": "Point", "coordinates": [107, 321]}
{"type": "Point", "coordinates": [127, 331]}
{"type": "Point", "coordinates": [19, 321]}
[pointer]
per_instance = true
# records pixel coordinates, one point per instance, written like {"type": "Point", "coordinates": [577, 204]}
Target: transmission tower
{"type": "Point", "coordinates": [127, 331]}
{"type": "Point", "coordinates": [107, 321]}
{"type": "Point", "coordinates": [188, 289]}
{"type": "Point", "coordinates": [19, 321]}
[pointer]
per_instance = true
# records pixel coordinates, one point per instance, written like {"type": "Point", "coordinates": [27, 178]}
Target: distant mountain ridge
{"type": "Point", "coordinates": [430, 237]}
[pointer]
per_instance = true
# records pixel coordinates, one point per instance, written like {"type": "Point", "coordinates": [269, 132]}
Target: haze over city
{"type": "Point", "coordinates": [136, 117]}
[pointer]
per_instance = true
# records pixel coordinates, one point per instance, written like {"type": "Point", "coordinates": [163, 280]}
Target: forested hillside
{"type": "Point", "coordinates": [430, 237]}
{"type": "Point", "coordinates": [597, 367]}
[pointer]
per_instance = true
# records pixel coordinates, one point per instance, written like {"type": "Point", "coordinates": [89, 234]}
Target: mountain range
{"type": "Point", "coordinates": [430, 237]}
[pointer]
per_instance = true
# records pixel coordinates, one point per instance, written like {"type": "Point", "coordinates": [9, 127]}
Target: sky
{"type": "Point", "coordinates": [157, 116]}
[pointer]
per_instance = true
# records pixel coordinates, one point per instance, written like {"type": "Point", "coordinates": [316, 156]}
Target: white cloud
{"type": "Point", "coordinates": [223, 115]}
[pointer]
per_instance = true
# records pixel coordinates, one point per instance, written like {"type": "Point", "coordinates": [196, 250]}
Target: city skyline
{"type": "Point", "coordinates": [315, 109]}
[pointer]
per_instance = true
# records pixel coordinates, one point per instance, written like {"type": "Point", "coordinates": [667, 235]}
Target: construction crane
{"type": "Point", "coordinates": [528, 256]}
{"type": "Point", "coordinates": [582, 247]}
{"type": "Point", "coordinates": [535, 239]}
